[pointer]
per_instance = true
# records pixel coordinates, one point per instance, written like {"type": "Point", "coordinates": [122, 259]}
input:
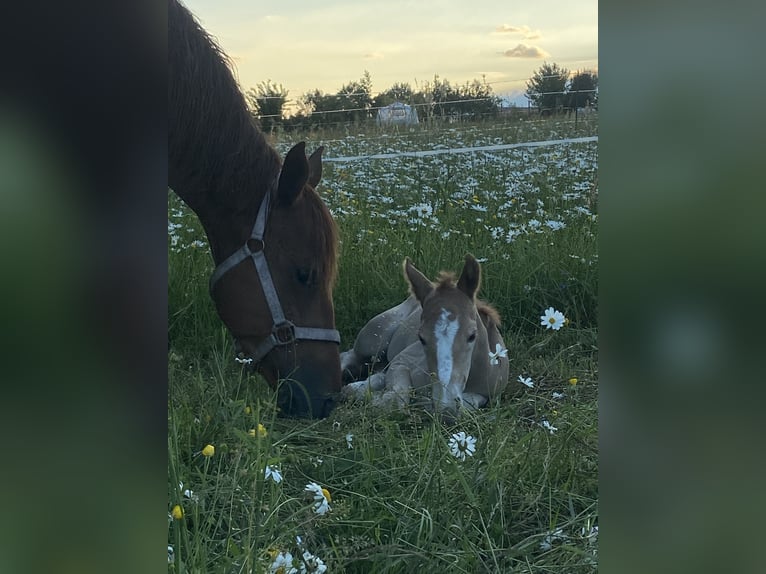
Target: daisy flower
{"type": "Point", "coordinates": [461, 445]}
{"type": "Point", "coordinates": [314, 563]}
{"type": "Point", "coordinates": [552, 319]}
{"type": "Point", "coordinates": [283, 564]}
{"type": "Point", "coordinates": [499, 352]}
{"type": "Point", "coordinates": [551, 538]}
{"type": "Point", "coordinates": [321, 496]}
{"type": "Point", "coordinates": [548, 426]}
{"type": "Point", "coordinates": [187, 492]}
{"type": "Point", "coordinates": [242, 361]}
{"type": "Point", "coordinates": [272, 472]}
{"type": "Point", "coordinates": [171, 554]}
{"type": "Point", "coordinates": [349, 440]}
{"type": "Point", "coordinates": [526, 381]}
{"type": "Point", "coordinates": [558, 395]}
{"type": "Point", "coordinates": [209, 450]}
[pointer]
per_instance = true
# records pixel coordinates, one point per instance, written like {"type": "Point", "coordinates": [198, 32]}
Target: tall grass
{"type": "Point", "coordinates": [528, 499]}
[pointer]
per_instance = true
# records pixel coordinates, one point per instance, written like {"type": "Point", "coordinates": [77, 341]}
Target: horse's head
{"type": "Point", "coordinates": [275, 294]}
{"type": "Point", "coordinates": [449, 329]}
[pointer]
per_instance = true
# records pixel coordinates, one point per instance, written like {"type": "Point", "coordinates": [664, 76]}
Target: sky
{"type": "Point", "coordinates": [306, 45]}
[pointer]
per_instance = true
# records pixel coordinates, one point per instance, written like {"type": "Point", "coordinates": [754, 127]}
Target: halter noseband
{"type": "Point", "coordinates": [283, 331]}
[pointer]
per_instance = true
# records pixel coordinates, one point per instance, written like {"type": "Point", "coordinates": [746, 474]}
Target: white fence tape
{"type": "Point", "coordinates": [425, 153]}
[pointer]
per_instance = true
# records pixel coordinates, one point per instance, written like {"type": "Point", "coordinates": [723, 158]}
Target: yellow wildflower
{"type": "Point", "coordinates": [260, 431]}
{"type": "Point", "coordinates": [209, 450]}
{"type": "Point", "coordinates": [248, 410]}
{"type": "Point", "coordinates": [177, 512]}
{"type": "Point", "coordinates": [573, 381]}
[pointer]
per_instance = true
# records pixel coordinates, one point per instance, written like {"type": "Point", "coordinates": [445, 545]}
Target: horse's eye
{"type": "Point", "coordinates": [305, 276]}
{"type": "Point", "coordinates": [422, 340]}
{"type": "Point", "coordinates": [471, 337]}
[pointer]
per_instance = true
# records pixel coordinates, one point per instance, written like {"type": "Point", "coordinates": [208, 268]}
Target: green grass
{"type": "Point", "coordinates": [400, 501]}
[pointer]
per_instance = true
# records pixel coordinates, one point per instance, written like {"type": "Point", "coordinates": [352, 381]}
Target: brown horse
{"type": "Point", "coordinates": [440, 339]}
{"type": "Point", "coordinates": [273, 240]}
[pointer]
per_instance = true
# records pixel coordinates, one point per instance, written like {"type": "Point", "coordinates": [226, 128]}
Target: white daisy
{"type": "Point", "coordinates": [461, 445]}
{"type": "Point", "coordinates": [188, 492]}
{"type": "Point", "coordinates": [321, 496]}
{"type": "Point", "coordinates": [551, 538]}
{"type": "Point", "coordinates": [272, 472]}
{"type": "Point", "coordinates": [558, 395]}
{"type": "Point", "coordinates": [349, 440]}
{"type": "Point", "coordinates": [499, 352]}
{"type": "Point", "coordinates": [242, 361]}
{"type": "Point", "coordinates": [526, 381]}
{"type": "Point", "coordinates": [171, 554]}
{"type": "Point", "coordinates": [283, 564]}
{"type": "Point", "coordinates": [552, 319]}
{"type": "Point", "coordinates": [314, 563]}
{"type": "Point", "coordinates": [546, 425]}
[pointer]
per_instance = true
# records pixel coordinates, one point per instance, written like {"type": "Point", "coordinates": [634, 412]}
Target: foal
{"type": "Point", "coordinates": [441, 337]}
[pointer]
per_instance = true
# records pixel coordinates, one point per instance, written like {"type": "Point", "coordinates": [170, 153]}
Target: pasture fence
{"type": "Point", "coordinates": [467, 149]}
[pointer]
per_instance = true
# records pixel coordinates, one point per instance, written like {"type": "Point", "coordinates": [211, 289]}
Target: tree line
{"type": "Point", "coordinates": [551, 89]}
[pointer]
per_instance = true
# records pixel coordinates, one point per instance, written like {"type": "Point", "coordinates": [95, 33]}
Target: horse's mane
{"type": "Point", "coordinates": [216, 144]}
{"type": "Point", "coordinates": [446, 280]}
{"type": "Point", "coordinates": [211, 131]}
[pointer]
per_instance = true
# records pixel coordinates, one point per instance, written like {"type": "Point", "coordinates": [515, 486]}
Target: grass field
{"type": "Point", "coordinates": [527, 500]}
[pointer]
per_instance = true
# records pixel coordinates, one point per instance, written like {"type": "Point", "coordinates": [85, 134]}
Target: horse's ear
{"type": "Point", "coordinates": [315, 167]}
{"type": "Point", "coordinates": [419, 283]}
{"type": "Point", "coordinates": [470, 277]}
{"type": "Point", "coordinates": [294, 174]}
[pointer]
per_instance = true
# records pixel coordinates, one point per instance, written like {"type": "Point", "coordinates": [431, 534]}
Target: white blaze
{"type": "Point", "coordinates": [445, 331]}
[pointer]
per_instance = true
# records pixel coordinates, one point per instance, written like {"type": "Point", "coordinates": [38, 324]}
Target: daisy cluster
{"type": "Point", "coordinates": [504, 192]}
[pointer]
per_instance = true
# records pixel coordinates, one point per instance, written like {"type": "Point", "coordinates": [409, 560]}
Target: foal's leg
{"type": "Point", "coordinates": [371, 344]}
{"type": "Point", "coordinates": [359, 390]}
{"type": "Point", "coordinates": [398, 388]}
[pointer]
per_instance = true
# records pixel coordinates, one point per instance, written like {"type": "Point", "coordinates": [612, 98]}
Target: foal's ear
{"type": "Point", "coordinates": [470, 277]}
{"type": "Point", "coordinates": [315, 167]}
{"type": "Point", "coordinates": [294, 174]}
{"type": "Point", "coordinates": [419, 283]}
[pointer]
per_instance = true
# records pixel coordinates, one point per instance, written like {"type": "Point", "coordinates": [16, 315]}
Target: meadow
{"type": "Point", "coordinates": [390, 495]}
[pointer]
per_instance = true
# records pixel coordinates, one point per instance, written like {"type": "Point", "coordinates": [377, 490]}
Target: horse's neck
{"type": "Point", "coordinates": [219, 163]}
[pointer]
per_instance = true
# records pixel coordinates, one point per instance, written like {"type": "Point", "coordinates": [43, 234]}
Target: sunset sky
{"type": "Point", "coordinates": [306, 45]}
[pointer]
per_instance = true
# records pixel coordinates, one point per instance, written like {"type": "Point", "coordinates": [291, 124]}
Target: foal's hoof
{"type": "Point", "coordinates": [353, 391]}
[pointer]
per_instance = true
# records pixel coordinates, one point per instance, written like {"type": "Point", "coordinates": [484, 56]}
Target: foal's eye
{"type": "Point", "coordinates": [471, 337]}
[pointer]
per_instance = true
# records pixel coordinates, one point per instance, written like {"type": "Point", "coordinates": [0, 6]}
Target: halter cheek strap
{"type": "Point", "coordinates": [283, 331]}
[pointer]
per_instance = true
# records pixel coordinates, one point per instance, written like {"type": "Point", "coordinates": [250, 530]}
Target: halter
{"type": "Point", "coordinates": [283, 331]}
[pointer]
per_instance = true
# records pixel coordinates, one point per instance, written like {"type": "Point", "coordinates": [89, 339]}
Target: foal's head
{"type": "Point", "coordinates": [300, 247]}
{"type": "Point", "coordinates": [449, 329]}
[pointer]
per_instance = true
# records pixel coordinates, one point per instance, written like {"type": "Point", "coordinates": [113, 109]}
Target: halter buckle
{"type": "Point", "coordinates": [284, 333]}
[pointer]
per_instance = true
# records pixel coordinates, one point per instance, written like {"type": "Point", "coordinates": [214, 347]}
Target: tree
{"type": "Point", "coordinates": [357, 98]}
{"type": "Point", "coordinates": [478, 99]}
{"type": "Point", "coordinates": [399, 92]}
{"type": "Point", "coordinates": [267, 101]}
{"type": "Point", "coordinates": [583, 90]}
{"type": "Point", "coordinates": [546, 89]}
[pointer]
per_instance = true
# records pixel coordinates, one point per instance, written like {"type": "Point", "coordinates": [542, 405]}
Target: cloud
{"type": "Point", "coordinates": [524, 51]}
{"type": "Point", "coordinates": [525, 31]}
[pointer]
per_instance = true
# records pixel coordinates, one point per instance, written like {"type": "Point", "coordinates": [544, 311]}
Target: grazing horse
{"type": "Point", "coordinates": [273, 240]}
{"type": "Point", "coordinates": [440, 338]}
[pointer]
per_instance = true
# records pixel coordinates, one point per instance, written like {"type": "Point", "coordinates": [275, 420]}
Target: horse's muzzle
{"type": "Point", "coordinates": [294, 400]}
